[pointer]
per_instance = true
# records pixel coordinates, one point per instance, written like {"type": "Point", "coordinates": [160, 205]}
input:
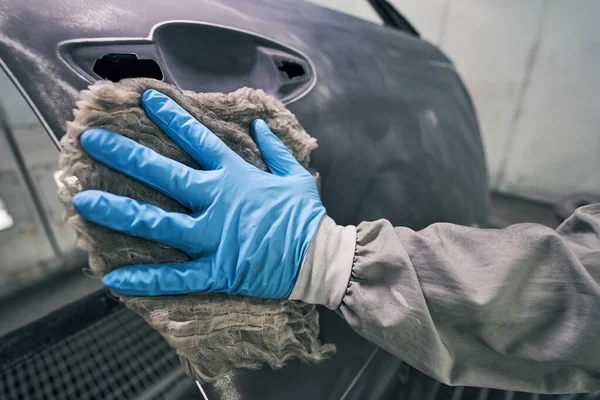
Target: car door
{"type": "Point", "coordinates": [398, 136]}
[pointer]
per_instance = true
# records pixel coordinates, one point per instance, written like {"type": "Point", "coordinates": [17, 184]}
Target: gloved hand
{"type": "Point", "coordinates": [249, 230]}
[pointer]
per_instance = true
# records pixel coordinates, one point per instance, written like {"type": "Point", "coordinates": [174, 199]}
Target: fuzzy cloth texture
{"type": "Point", "coordinates": [214, 334]}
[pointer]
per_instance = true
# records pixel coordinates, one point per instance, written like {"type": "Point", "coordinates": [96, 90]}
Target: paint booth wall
{"type": "Point", "coordinates": [533, 70]}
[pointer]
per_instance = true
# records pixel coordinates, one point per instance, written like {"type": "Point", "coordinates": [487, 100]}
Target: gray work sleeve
{"type": "Point", "coordinates": [515, 308]}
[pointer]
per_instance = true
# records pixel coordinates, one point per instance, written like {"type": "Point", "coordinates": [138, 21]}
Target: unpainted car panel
{"type": "Point", "coordinates": [398, 136]}
{"type": "Point", "coordinates": [383, 100]}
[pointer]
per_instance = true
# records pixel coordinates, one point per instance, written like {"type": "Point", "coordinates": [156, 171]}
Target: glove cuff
{"type": "Point", "coordinates": [327, 265]}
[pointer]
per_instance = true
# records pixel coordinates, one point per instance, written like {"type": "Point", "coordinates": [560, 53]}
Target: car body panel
{"type": "Point", "coordinates": [398, 135]}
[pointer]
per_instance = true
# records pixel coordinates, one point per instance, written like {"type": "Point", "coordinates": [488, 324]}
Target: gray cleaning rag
{"type": "Point", "coordinates": [214, 334]}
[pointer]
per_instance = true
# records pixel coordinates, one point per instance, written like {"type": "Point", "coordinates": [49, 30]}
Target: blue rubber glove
{"type": "Point", "coordinates": [249, 230]}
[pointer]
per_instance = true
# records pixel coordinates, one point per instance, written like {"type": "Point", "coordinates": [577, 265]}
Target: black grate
{"type": "Point", "coordinates": [118, 357]}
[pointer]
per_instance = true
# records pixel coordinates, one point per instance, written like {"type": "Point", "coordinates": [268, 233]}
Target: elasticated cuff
{"type": "Point", "coordinates": [327, 266]}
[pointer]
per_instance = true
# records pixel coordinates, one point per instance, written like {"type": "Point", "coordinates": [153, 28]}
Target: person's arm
{"type": "Point", "coordinates": [515, 308]}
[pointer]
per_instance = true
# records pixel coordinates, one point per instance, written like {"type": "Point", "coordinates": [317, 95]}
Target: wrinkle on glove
{"type": "Point", "coordinates": [213, 333]}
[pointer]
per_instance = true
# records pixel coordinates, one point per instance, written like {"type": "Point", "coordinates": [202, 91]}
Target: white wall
{"type": "Point", "coordinates": [533, 69]}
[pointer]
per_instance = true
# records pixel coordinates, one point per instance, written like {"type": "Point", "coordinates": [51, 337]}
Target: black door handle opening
{"type": "Point", "coordinates": [117, 66]}
{"type": "Point", "coordinates": [292, 69]}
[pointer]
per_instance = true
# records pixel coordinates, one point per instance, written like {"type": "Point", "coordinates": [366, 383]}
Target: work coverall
{"type": "Point", "coordinates": [515, 308]}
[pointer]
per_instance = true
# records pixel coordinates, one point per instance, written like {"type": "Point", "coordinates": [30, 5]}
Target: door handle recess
{"type": "Point", "coordinates": [196, 56]}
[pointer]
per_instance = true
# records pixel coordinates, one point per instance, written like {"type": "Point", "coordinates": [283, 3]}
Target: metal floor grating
{"type": "Point", "coordinates": [117, 357]}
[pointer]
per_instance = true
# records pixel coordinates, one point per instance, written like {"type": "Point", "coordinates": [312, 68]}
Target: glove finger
{"type": "Point", "coordinates": [138, 219]}
{"type": "Point", "coordinates": [193, 137]}
{"type": "Point", "coordinates": [145, 165]}
{"type": "Point", "coordinates": [276, 155]}
{"type": "Point", "coordinates": [162, 279]}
